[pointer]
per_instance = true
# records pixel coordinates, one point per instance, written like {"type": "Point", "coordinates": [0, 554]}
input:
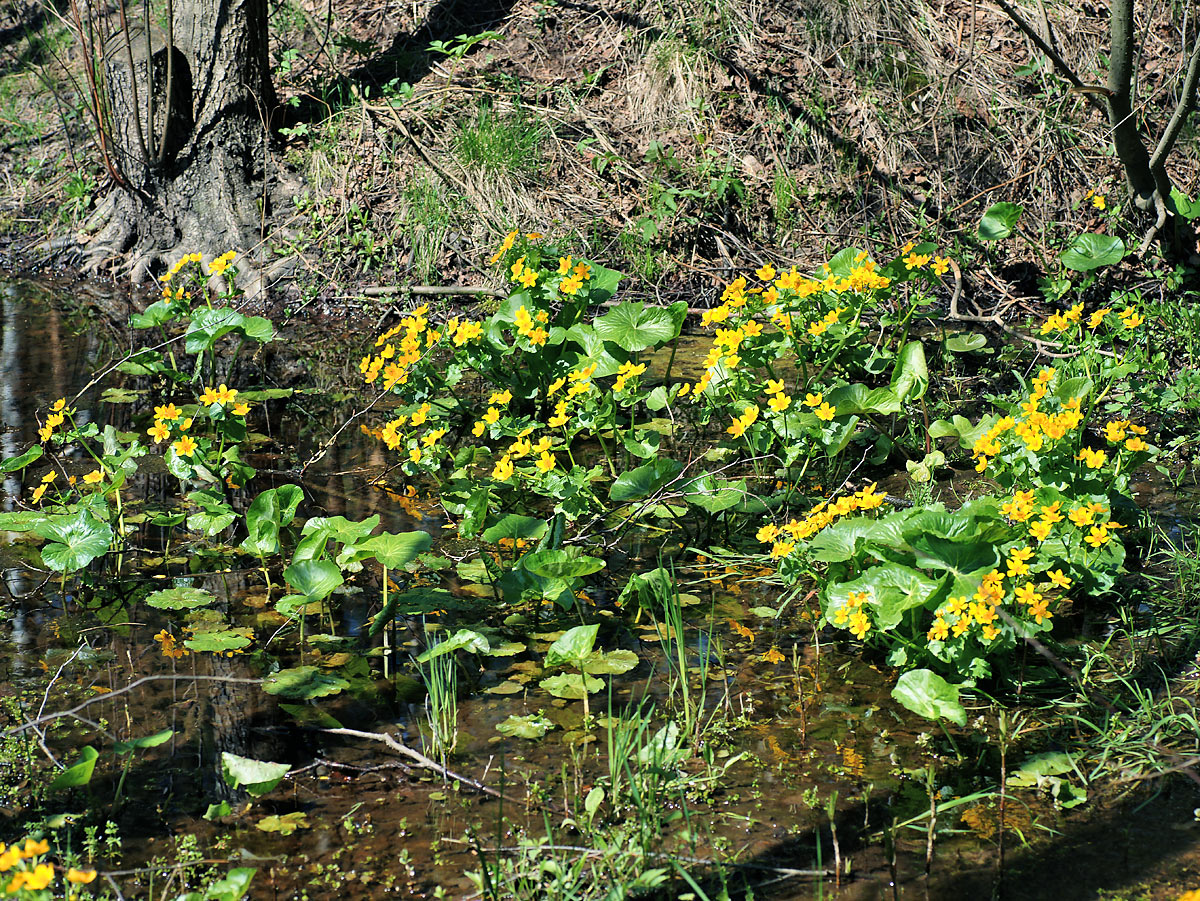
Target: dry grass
{"type": "Point", "coordinates": [851, 119]}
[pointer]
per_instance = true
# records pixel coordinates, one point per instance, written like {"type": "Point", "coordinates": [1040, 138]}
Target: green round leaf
{"type": "Point", "coordinates": [999, 221]}
{"type": "Point", "coordinates": [396, 550]}
{"type": "Point", "coordinates": [302, 683]}
{"type": "Point", "coordinates": [1091, 251]}
{"type": "Point", "coordinates": [183, 598]}
{"type": "Point", "coordinates": [927, 694]}
{"type": "Point", "coordinates": [533, 726]}
{"type": "Point", "coordinates": [572, 686]}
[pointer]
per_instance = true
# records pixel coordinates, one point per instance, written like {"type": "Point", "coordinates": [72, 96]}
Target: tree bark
{"type": "Point", "coordinates": [191, 120]}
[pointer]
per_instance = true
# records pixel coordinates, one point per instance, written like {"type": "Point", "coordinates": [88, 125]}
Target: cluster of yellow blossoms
{"type": "Point", "coordinates": [852, 616]}
{"type": "Point", "coordinates": [625, 372]}
{"type": "Point", "coordinates": [572, 277]}
{"type": "Point", "coordinates": [32, 874]}
{"type": "Point", "coordinates": [221, 263]}
{"type": "Point", "coordinates": [979, 613]}
{"type": "Point", "coordinates": [168, 418]}
{"type": "Point", "coordinates": [169, 646]}
{"type": "Point", "coordinates": [1093, 518]}
{"type": "Point", "coordinates": [1060, 322]}
{"type": "Point", "coordinates": [59, 411]}
{"type": "Point", "coordinates": [1035, 427]}
{"type": "Point", "coordinates": [535, 334]}
{"type": "Point", "coordinates": [783, 538]}
{"type": "Point", "coordinates": [395, 365]}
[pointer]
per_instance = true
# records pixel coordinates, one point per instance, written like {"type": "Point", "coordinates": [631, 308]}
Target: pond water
{"type": "Point", "coordinates": [805, 767]}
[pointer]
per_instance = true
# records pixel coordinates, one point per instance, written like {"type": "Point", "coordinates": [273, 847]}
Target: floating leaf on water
{"type": "Point", "coordinates": [218, 642]}
{"type": "Point", "coordinates": [256, 776]}
{"type": "Point", "coordinates": [507, 649]}
{"type": "Point", "coordinates": [532, 726]}
{"type": "Point", "coordinates": [507, 687]}
{"type": "Point", "coordinates": [310, 716]}
{"type": "Point", "coordinates": [610, 663]}
{"type": "Point", "coordinates": [284, 824]}
{"type": "Point", "coordinates": [303, 683]}
{"type": "Point", "coordinates": [966, 342]}
{"type": "Point", "coordinates": [21, 520]}
{"type": "Point", "coordinates": [119, 396]}
{"type": "Point", "coordinates": [184, 597]}
{"type": "Point", "coordinates": [552, 563]}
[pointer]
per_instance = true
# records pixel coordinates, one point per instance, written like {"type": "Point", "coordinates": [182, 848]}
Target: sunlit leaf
{"type": "Point", "coordinates": [999, 221]}
{"type": "Point", "coordinates": [184, 597]}
{"type": "Point", "coordinates": [1091, 251]}
{"type": "Point", "coordinates": [571, 686]}
{"type": "Point", "coordinates": [79, 773]}
{"type": "Point", "coordinates": [927, 694]}
{"type": "Point", "coordinates": [284, 824]}
{"type": "Point", "coordinates": [532, 726]}
{"type": "Point", "coordinates": [303, 683]}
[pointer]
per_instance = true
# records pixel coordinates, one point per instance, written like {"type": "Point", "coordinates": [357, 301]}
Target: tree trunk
{"type": "Point", "coordinates": [190, 116]}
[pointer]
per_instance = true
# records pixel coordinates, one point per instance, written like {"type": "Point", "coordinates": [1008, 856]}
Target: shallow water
{"type": "Point", "coordinates": [823, 722]}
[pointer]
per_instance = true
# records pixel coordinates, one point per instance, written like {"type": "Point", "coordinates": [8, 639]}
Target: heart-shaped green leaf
{"type": "Point", "coordinates": [256, 776]}
{"type": "Point", "coordinates": [1091, 251]}
{"type": "Point", "coordinates": [999, 221]}
{"type": "Point", "coordinates": [927, 694]}
{"type": "Point", "coordinates": [303, 683]}
{"type": "Point", "coordinates": [184, 597]}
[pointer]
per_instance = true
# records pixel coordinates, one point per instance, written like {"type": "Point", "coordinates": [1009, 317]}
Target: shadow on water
{"type": "Point", "coordinates": [827, 725]}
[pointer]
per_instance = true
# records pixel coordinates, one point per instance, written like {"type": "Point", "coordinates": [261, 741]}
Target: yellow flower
{"type": "Point", "coordinates": [1093, 459]}
{"type": "Point", "coordinates": [1081, 516]}
{"type": "Point", "coordinates": [773, 656]}
{"type": "Point", "coordinates": [564, 265]}
{"type": "Point", "coordinates": [940, 265]}
{"type": "Point", "coordinates": [1097, 317]}
{"type": "Point", "coordinates": [185, 446]}
{"type": "Point", "coordinates": [766, 272]}
{"type": "Point", "coordinates": [779, 402]}
{"type": "Point", "coordinates": [570, 285]}
{"type": "Point", "coordinates": [860, 624]}
{"type": "Point", "coordinates": [159, 432]}
{"type": "Point", "coordinates": [1040, 530]}
{"type": "Point", "coordinates": [825, 412]}
{"type": "Point", "coordinates": [1059, 579]}
{"type": "Point", "coordinates": [59, 405]}
{"type": "Point", "coordinates": [774, 386]}
{"type": "Point", "coordinates": [503, 470]}
{"type": "Point", "coordinates": [939, 631]}
{"type": "Point", "coordinates": [1098, 536]}
{"type": "Point", "coordinates": [1136, 444]}
{"type": "Point", "coordinates": [432, 438]}
{"type": "Point", "coordinates": [35, 849]}
{"type": "Point", "coordinates": [812, 400]}
{"type": "Point", "coordinates": [209, 396]}
{"type": "Point", "coordinates": [504, 247]}
{"type": "Point", "coordinates": [93, 477]}
{"type": "Point", "coordinates": [241, 409]}
{"type": "Point", "coordinates": [516, 268]}
{"type": "Point", "coordinates": [500, 397]}
{"type": "Point", "coordinates": [528, 278]}
{"type": "Point", "coordinates": [80, 877]}
{"type": "Point", "coordinates": [767, 533]}
{"type": "Point", "coordinates": [545, 462]}
{"type": "Point", "coordinates": [1099, 202]}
